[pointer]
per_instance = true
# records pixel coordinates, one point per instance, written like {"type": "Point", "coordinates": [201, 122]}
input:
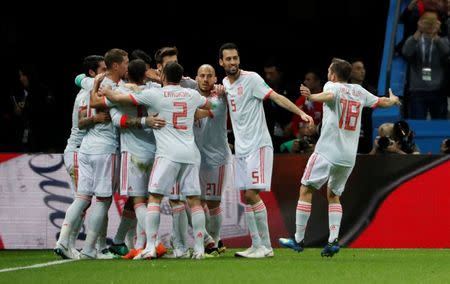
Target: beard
{"type": "Point", "coordinates": [232, 70]}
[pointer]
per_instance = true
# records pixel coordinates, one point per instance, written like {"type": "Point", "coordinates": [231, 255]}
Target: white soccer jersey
{"type": "Point", "coordinates": [211, 135]}
{"type": "Point", "coordinates": [245, 97]}
{"type": "Point", "coordinates": [177, 106]}
{"type": "Point", "coordinates": [103, 137]}
{"type": "Point", "coordinates": [341, 122]}
{"type": "Point", "coordinates": [76, 134]}
{"type": "Point", "coordinates": [139, 142]}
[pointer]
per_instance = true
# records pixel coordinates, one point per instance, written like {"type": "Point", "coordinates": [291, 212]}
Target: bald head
{"type": "Point", "coordinates": [206, 78]}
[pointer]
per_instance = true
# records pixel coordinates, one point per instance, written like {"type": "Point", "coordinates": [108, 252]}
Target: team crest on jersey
{"type": "Point", "coordinates": [240, 91]}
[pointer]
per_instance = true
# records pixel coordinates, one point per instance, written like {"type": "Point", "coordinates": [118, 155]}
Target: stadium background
{"type": "Point", "coordinates": [302, 34]}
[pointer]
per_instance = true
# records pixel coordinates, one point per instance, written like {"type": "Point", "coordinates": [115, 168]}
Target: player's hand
{"type": "Point", "coordinates": [394, 98]}
{"type": "Point", "coordinates": [304, 91]}
{"type": "Point", "coordinates": [105, 91]}
{"type": "Point", "coordinates": [99, 77]}
{"type": "Point", "coordinates": [219, 89]}
{"type": "Point", "coordinates": [155, 122]}
{"type": "Point", "coordinates": [307, 118]}
{"type": "Point", "coordinates": [102, 117]}
{"type": "Point", "coordinates": [153, 75]}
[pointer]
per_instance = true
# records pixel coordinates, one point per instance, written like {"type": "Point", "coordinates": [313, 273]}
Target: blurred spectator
{"type": "Point", "coordinates": [305, 142]}
{"type": "Point", "coordinates": [445, 146]}
{"type": "Point", "coordinates": [34, 108]}
{"type": "Point", "coordinates": [427, 54]}
{"type": "Point", "coordinates": [277, 118]}
{"type": "Point", "coordinates": [416, 8]}
{"type": "Point", "coordinates": [358, 76]}
{"type": "Point", "coordinates": [395, 138]}
{"type": "Point", "coordinates": [314, 109]}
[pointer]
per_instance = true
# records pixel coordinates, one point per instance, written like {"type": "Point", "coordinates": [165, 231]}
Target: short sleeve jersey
{"type": "Point", "coordinates": [139, 142]}
{"type": "Point", "coordinates": [341, 123]}
{"type": "Point", "coordinates": [245, 102]}
{"type": "Point", "coordinates": [211, 134]}
{"type": "Point", "coordinates": [103, 137]}
{"type": "Point", "coordinates": [76, 134]}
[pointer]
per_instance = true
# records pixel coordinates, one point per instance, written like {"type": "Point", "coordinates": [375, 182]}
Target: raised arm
{"type": "Point", "coordinates": [285, 103]}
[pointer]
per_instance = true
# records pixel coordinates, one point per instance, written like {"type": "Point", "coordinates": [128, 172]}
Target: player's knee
{"type": "Point", "coordinates": [212, 204]}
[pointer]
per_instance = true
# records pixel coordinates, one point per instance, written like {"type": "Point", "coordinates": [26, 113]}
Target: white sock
{"type": "Point", "coordinates": [152, 220]}
{"type": "Point", "coordinates": [127, 222]}
{"type": "Point", "coordinates": [260, 211]}
{"type": "Point", "coordinates": [101, 239]}
{"type": "Point", "coordinates": [73, 213]}
{"type": "Point", "coordinates": [141, 237]}
{"type": "Point", "coordinates": [251, 223]}
{"type": "Point", "coordinates": [96, 222]}
{"type": "Point", "coordinates": [140, 209]}
{"type": "Point", "coordinates": [198, 227]}
{"type": "Point", "coordinates": [207, 217]}
{"type": "Point", "coordinates": [76, 230]}
{"type": "Point", "coordinates": [215, 224]}
{"type": "Point", "coordinates": [334, 220]}
{"type": "Point", "coordinates": [179, 226]}
{"type": "Point", "coordinates": [301, 219]}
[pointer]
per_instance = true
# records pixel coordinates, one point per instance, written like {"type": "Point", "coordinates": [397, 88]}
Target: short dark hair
{"type": "Point", "coordinates": [136, 70]}
{"type": "Point", "coordinates": [173, 72]}
{"type": "Point", "coordinates": [228, 45]}
{"type": "Point", "coordinates": [91, 62]}
{"type": "Point", "coordinates": [163, 52]}
{"type": "Point", "coordinates": [342, 69]}
{"type": "Point", "coordinates": [140, 54]}
{"type": "Point", "coordinates": [114, 55]}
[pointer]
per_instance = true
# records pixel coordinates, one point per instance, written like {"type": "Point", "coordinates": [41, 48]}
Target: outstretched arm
{"type": "Point", "coordinates": [117, 98]}
{"type": "Point", "coordinates": [285, 103]}
{"type": "Point", "coordinates": [390, 101]}
{"type": "Point", "coordinates": [319, 97]}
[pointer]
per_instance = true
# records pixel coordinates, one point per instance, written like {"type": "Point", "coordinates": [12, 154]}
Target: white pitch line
{"type": "Point", "coordinates": [37, 265]}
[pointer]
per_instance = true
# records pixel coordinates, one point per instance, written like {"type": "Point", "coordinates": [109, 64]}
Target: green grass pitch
{"type": "Point", "coordinates": [348, 266]}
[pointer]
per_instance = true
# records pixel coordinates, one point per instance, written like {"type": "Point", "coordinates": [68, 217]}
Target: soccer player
{"type": "Point", "coordinates": [138, 147]}
{"type": "Point", "coordinates": [97, 164]}
{"type": "Point", "coordinates": [211, 138]}
{"type": "Point", "coordinates": [335, 152]}
{"type": "Point", "coordinates": [92, 65]}
{"type": "Point", "coordinates": [177, 156]}
{"type": "Point", "coordinates": [253, 145]}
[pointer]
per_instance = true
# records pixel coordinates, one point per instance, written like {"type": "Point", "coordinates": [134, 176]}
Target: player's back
{"type": "Point", "coordinates": [341, 123]}
{"type": "Point", "coordinates": [177, 106]}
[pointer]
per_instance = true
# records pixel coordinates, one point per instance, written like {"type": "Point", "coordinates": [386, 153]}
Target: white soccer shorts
{"type": "Point", "coordinates": [213, 180]}
{"type": "Point", "coordinates": [165, 174]}
{"type": "Point", "coordinates": [255, 170]}
{"type": "Point", "coordinates": [134, 174]}
{"type": "Point", "coordinates": [98, 174]}
{"type": "Point", "coordinates": [318, 170]}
